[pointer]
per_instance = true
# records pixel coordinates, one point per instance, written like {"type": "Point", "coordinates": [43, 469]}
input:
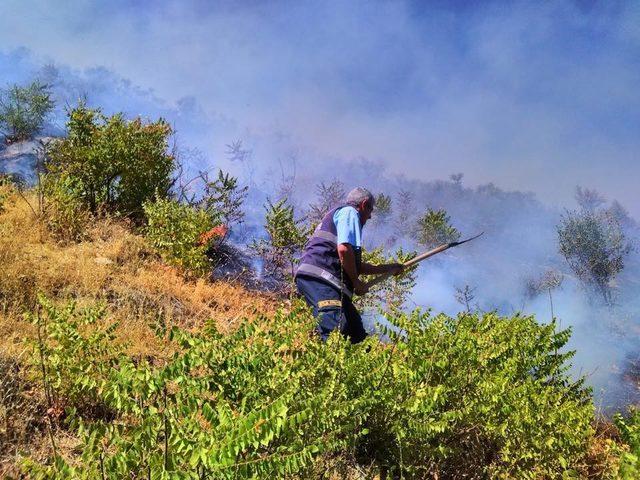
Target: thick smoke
{"type": "Point", "coordinates": [528, 95]}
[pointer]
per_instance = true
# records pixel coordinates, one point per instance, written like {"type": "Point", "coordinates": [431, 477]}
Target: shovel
{"type": "Point", "coordinates": [421, 257]}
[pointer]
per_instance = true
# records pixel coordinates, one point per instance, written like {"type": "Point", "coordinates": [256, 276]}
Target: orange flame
{"type": "Point", "coordinates": [219, 231]}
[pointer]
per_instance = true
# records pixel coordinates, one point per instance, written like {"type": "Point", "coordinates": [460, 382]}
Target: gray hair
{"type": "Point", "coordinates": [356, 196]}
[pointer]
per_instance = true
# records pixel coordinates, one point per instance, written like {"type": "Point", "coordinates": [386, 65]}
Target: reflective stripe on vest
{"type": "Point", "coordinates": [308, 269]}
{"type": "Point", "coordinates": [325, 236]}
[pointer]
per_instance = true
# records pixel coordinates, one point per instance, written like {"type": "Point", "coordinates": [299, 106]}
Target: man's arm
{"type": "Point", "coordinates": [370, 269]}
{"type": "Point", "coordinates": [348, 232]}
{"type": "Point", "coordinates": [348, 261]}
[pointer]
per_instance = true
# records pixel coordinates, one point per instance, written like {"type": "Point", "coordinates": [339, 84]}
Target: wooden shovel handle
{"type": "Point", "coordinates": [413, 261]}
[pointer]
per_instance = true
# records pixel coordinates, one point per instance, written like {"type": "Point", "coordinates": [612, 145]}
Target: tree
{"type": "Point", "coordinates": [594, 246]}
{"type": "Point", "coordinates": [287, 186]}
{"type": "Point", "coordinates": [465, 295]}
{"type": "Point", "coordinates": [589, 200]}
{"type": "Point", "coordinates": [223, 197]}
{"type": "Point", "coordinates": [111, 163]}
{"type": "Point", "coordinates": [456, 178]}
{"type": "Point", "coordinates": [621, 214]}
{"type": "Point", "coordinates": [286, 237]}
{"type": "Point", "coordinates": [237, 153]}
{"type": "Point", "coordinates": [23, 110]}
{"type": "Point", "coordinates": [434, 229]}
{"type": "Point", "coordinates": [328, 197]}
{"type": "Point", "coordinates": [403, 218]}
{"type": "Point", "coordinates": [383, 208]}
{"type": "Point", "coordinates": [547, 282]}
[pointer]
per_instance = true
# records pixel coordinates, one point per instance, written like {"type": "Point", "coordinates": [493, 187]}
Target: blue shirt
{"type": "Point", "coordinates": [347, 221]}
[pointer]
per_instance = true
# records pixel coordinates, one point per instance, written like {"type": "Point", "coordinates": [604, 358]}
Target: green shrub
{"type": "Point", "coordinates": [175, 231]}
{"type": "Point", "coordinates": [393, 292]}
{"type": "Point", "coordinates": [110, 163]}
{"type": "Point", "coordinates": [467, 397]}
{"type": "Point", "coordinates": [224, 197]}
{"type": "Point", "coordinates": [434, 228]}
{"type": "Point", "coordinates": [23, 110]}
{"type": "Point", "coordinates": [630, 432]}
{"type": "Point", "coordinates": [65, 214]}
{"type": "Point", "coordinates": [286, 237]}
{"type": "Point", "coordinates": [72, 355]}
{"type": "Point", "coordinates": [481, 393]}
{"type": "Point", "coordinates": [595, 247]}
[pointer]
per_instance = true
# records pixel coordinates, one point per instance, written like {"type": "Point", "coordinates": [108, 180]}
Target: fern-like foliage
{"type": "Point", "coordinates": [467, 397]}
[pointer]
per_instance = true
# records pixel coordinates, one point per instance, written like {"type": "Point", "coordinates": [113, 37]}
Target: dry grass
{"type": "Point", "coordinates": [112, 265]}
{"type": "Point", "coordinates": [19, 414]}
{"type": "Point", "coordinates": [603, 453]}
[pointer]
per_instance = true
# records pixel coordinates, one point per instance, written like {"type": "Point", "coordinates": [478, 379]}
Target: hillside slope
{"type": "Point", "coordinates": [239, 389]}
{"type": "Point", "coordinates": [113, 267]}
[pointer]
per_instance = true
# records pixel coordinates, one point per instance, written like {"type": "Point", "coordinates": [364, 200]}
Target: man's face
{"type": "Point", "coordinates": [365, 210]}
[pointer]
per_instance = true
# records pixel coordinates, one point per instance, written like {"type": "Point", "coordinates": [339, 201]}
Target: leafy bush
{"type": "Point", "coordinates": [223, 197]}
{"type": "Point", "coordinates": [629, 428]}
{"type": "Point", "coordinates": [594, 246]}
{"type": "Point", "coordinates": [466, 397]}
{"type": "Point", "coordinates": [175, 231]}
{"type": "Point", "coordinates": [23, 110]}
{"type": "Point", "coordinates": [285, 240]}
{"type": "Point", "coordinates": [393, 292]}
{"type": "Point", "coordinates": [434, 229]}
{"type": "Point", "coordinates": [72, 354]}
{"type": "Point", "coordinates": [66, 215]}
{"type": "Point", "coordinates": [110, 163]}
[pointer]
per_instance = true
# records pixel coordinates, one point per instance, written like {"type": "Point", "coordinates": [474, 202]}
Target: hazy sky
{"type": "Point", "coordinates": [536, 96]}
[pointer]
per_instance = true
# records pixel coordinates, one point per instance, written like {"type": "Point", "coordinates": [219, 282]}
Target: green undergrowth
{"type": "Point", "coordinates": [629, 428]}
{"type": "Point", "coordinates": [477, 396]}
{"type": "Point", "coordinates": [174, 230]}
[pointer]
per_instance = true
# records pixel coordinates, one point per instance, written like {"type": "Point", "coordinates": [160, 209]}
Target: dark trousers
{"type": "Point", "coordinates": [333, 309]}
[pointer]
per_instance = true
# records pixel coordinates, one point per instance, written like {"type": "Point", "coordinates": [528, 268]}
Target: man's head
{"type": "Point", "coordinates": [363, 201]}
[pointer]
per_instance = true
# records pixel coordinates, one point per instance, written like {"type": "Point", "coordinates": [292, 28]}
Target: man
{"type": "Point", "coordinates": [328, 274]}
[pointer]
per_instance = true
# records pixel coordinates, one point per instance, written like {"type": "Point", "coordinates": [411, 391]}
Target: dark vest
{"type": "Point", "coordinates": [320, 258]}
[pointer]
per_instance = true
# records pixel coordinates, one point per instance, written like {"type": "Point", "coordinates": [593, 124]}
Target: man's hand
{"type": "Point", "coordinates": [360, 287]}
{"type": "Point", "coordinates": [395, 268]}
